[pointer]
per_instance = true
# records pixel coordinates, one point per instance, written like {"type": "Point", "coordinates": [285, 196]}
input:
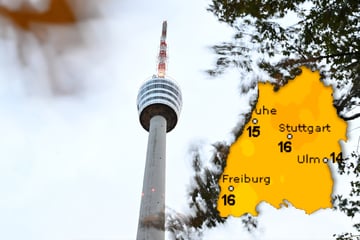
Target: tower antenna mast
{"type": "Point", "coordinates": [162, 53]}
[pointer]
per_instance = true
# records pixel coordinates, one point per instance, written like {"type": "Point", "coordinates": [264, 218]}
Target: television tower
{"type": "Point", "coordinates": [159, 104]}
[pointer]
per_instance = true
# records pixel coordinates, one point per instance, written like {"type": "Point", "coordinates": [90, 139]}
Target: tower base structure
{"type": "Point", "coordinates": [152, 209]}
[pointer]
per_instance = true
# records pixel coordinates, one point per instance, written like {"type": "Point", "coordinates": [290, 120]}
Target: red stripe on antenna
{"type": "Point", "coordinates": [162, 53]}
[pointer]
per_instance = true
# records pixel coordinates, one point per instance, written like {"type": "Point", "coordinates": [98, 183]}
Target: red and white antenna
{"type": "Point", "coordinates": [162, 53]}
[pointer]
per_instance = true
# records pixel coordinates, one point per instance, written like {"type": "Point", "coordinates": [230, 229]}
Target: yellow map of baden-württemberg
{"type": "Point", "coordinates": [284, 150]}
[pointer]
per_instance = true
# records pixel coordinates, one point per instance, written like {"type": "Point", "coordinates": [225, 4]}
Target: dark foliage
{"type": "Point", "coordinates": [325, 37]}
{"type": "Point", "coordinates": [350, 204]}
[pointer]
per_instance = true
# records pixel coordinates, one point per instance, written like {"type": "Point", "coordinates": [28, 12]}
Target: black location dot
{"type": "Point", "coordinates": [289, 136]}
{"type": "Point", "coordinates": [255, 121]}
{"type": "Point", "coordinates": [231, 188]}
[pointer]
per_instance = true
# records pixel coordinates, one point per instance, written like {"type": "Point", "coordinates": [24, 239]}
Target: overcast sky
{"type": "Point", "coordinates": [72, 151]}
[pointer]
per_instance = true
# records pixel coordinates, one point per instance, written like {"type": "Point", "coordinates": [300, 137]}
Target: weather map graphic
{"type": "Point", "coordinates": [284, 150]}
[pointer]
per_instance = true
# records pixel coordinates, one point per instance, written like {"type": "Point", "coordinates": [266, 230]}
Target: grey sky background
{"type": "Point", "coordinates": [72, 151]}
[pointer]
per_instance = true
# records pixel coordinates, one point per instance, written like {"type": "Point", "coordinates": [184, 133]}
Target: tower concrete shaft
{"type": "Point", "coordinates": [152, 209]}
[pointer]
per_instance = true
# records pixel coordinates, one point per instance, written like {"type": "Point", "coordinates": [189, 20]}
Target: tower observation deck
{"type": "Point", "coordinates": [159, 96]}
{"type": "Point", "coordinates": [159, 104]}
